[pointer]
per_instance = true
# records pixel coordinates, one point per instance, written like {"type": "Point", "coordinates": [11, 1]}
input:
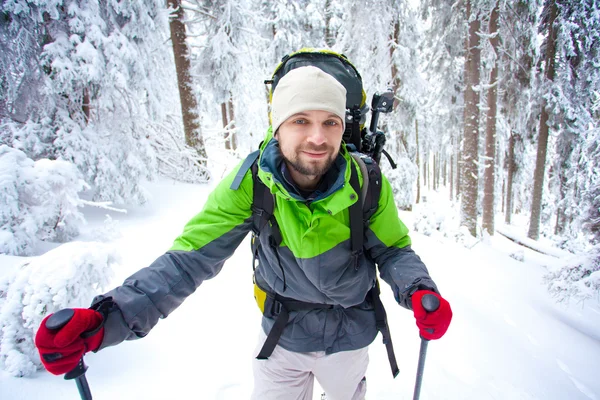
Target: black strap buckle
{"type": "Point", "coordinates": [258, 211]}
{"type": "Point", "coordinates": [276, 308]}
{"type": "Point", "coordinates": [273, 307]}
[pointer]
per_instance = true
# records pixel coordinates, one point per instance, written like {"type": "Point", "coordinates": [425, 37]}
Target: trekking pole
{"type": "Point", "coordinates": [55, 322]}
{"type": "Point", "coordinates": [430, 303]}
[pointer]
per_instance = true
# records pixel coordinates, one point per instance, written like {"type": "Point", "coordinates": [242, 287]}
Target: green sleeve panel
{"type": "Point", "coordinates": [385, 223]}
{"type": "Point", "coordinates": [224, 210]}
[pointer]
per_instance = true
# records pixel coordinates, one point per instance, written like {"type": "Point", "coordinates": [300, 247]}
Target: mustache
{"type": "Point", "coordinates": [312, 148]}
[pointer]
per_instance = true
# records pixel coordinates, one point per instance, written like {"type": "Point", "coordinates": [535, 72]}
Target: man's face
{"type": "Point", "coordinates": [310, 142]}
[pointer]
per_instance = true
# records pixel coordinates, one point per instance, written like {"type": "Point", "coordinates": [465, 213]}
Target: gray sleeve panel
{"type": "Point", "coordinates": [115, 328]}
{"type": "Point", "coordinates": [402, 269]}
{"type": "Point", "coordinates": [155, 291]}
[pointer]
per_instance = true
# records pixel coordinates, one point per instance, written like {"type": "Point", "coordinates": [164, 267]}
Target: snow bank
{"type": "Point", "coordinates": [68, 276]}
{"type": "Point", "coordinates": [435, 216]}
{"type": "Point", "coordinates": [577, 278]}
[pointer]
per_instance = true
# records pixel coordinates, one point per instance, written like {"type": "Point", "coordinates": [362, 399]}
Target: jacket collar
{"type": "Point", "coordinates": [272, 162]}
{"type": "Point", "coordinates": [338, 196]}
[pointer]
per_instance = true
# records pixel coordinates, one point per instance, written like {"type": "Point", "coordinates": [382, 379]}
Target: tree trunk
{"type": "Point", "coordinates": [418, 163]}
{"type": "Point", "coordinates": [540, 164]}
{"type": "Point", "coordinates": [435, 161]}
{"type": "Point", "coordinates": [458, 168]}
{"type": "Point", "coordinates": [395, 44]}
{"type": "Point", "coordinates": [445, 172]}
{"type": "Point", "coordinates": [191, 126]}
{"type": "Point", "coordinates": [232, 136]}
{"type": "Point", "coordinates": [85, 106]}
{"type": "Point", "coordinates": [225, 124]}
{"type": "Point", "coordinates": [490, 133]}
{"type": "Point", "coordinates": [470, 169]}
{"type": "Point", "coordinates": [425, 173]}
{"type": "Point", "coordinates": [329, 36]}
{"type": "Point", "coordinates": [565, 149]}
{"type": "Point", "coordinates": [503, 194]}
{"type": "Point", "coordinates": [509, 183]}
{"type": "Point", "coordinates": [451, 177]}
{"type": "Point", "coordinates": [438, 171]}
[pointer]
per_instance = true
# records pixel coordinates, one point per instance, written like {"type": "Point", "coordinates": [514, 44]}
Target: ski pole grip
{"type": "Point", "coordinates": [59, 319]}
{"type": "Point", "coordinates": [55, 322]}
{"type": "Point", "coordinates": [430, 302]}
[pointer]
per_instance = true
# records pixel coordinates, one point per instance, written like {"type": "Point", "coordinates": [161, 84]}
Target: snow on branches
{"type": "Point", "coordinates": [68, 276]}
{"type": "Point", "coordinates": [39, 201]}
{"type": "Point", "coordinates": [577, 278]}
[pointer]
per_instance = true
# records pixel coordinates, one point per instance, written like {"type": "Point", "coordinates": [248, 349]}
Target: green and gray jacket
{"type": "Point", "coordinates": [313, 262]}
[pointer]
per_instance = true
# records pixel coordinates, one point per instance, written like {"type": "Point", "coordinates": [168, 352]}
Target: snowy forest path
{"type": "Point", "coordinates": [504, 342]}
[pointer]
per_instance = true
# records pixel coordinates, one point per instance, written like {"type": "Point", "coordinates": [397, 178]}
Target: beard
{"type": "Point", "coordinates": [311, 167]}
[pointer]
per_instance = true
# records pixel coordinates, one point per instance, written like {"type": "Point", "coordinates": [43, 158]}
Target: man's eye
{"type": "Point", "coordinates": [331, 122]}
{"type": "Point", "coordinates": [300, 121]}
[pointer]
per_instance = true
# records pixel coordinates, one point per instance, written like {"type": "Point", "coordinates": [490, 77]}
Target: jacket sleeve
{"type": "Point", "coordinates": [388, 244]}
{"type": "Point", "coordinates": [207, 241]}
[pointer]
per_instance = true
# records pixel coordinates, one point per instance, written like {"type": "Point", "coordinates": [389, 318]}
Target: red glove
{"type": "Point", "coordinates": [60, 350]}
{"type": "Point", "coordinates": [432, 325]}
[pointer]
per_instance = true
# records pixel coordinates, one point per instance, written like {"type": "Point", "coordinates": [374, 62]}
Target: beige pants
{"type": "Point", "coordinates": [287, 375]}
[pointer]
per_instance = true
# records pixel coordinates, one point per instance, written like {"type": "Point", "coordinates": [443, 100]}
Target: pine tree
{"type": "Point", "coordinates": [490, 139]}
{"type": "Point", "coordinates": [77, 94]}
{"type": "Point", "coordinates": [470, 175]}
{"type": "Point", "coordinates": [540, 166]}
{"type": "Point", "coordinates": [442, 48]}
{"type": "Point", "coordinates": [189, 106]}
{"type": "Point", "coordinates": [229, 54]}
{"type": "Point", "coordinates": [518, 57]}
{"type": "Point", "coordinates": [572, 84]}
{"type": "Point", "coordinates": [577, 83]}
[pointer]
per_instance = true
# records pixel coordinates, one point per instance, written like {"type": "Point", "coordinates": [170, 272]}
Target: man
{"type": "Point", "coordinates": [307, 168]}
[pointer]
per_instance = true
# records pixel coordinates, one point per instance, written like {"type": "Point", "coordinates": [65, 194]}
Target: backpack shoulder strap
{"type": "Point", "coordinates": [263, 207]}
{"type": "Point", "coordinates": [362, 210]}
{"type": "Point", "coordinates": [372, 198]}
{"type": "Point", "coordinates": [370, 192]}
{"type": "Point", "coordinates": [371, 189]}
{"type": "Point", "coordinates": [263, 203]}
{"type": "Point", "coordinates": [246, 165]}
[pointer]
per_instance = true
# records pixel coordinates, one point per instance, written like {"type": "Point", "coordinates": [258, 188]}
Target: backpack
{"type": "Point", "coordinates": [360, 139]}
{"type": "Point", "coordinates": [273, 305]}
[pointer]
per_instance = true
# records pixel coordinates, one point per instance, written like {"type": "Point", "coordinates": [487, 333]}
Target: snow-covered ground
{"type": "Point", "coordinates": [508, 339]}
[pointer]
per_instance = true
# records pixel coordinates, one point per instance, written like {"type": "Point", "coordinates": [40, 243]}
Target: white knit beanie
{"type": "Point", "coordinates": [307, 89]}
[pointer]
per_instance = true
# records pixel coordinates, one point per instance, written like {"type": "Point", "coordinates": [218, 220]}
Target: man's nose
{"type": "Point", "coordinates": [317, 135]}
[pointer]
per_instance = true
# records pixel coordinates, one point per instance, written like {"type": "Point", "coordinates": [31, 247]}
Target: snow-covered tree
{"type": "Point", "coordinates": [519, 104]}
{"type": "Point", "coordinates": [470, 155]}
{"type": "Point", "coordinates": [228, 65]}
{"type": "Point", "coordinates": [571, 101]}
{"type": "Point", "coordinates": [68, 276]}
{"type": "Point", "coordinates": [576, 279]}
{"type": "Point", "coordinates": [38, 201]}
{"type": "Point", "coordinates": [441, 111]}
{"type": "Point", "coordinates": [187, 98]}
{"type": "Point", "coordinates": [489, 193]}
{"type": "Point", "coordinates": [409, 88]}
{"type": "Point", "coordinates": [96, 90]}
{"type": "Point", "coordinates": [543, 132]}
